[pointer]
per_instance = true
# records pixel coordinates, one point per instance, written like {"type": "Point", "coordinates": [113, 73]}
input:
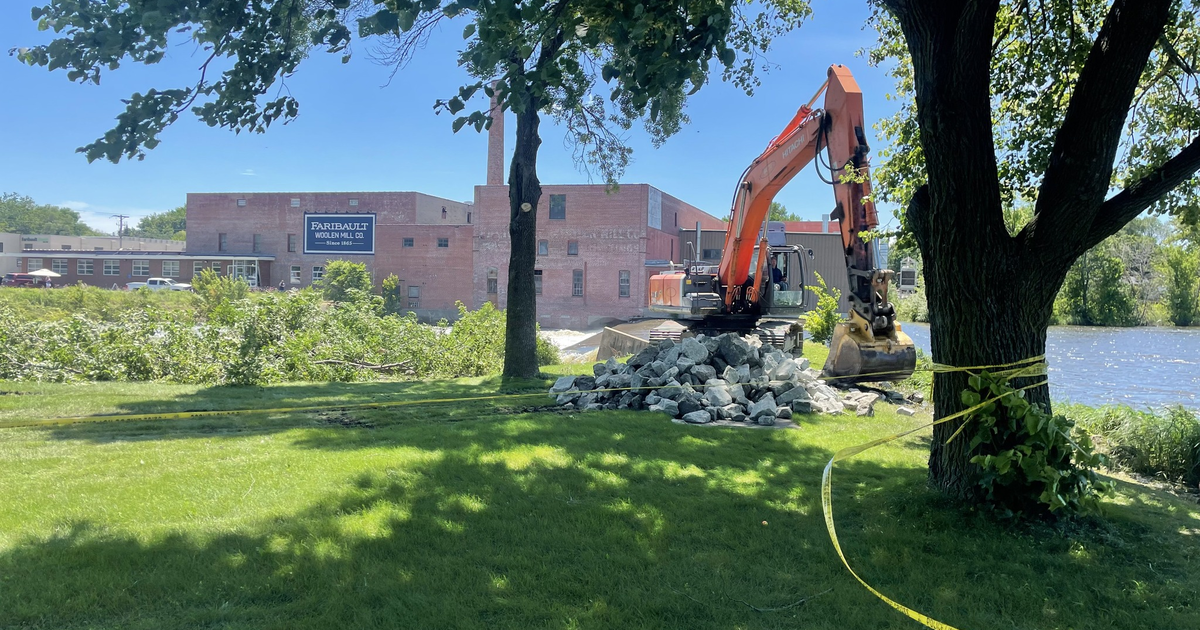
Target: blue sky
{"type": "Point", "coordinates": [356, 132]}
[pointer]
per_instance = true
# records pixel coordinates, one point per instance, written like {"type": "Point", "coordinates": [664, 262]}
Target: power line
{"type": "Point", "coordinates": [120, 229]}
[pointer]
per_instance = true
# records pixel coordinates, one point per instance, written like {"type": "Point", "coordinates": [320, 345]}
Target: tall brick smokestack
{"type": "Point", "coordinates": [495, 157]}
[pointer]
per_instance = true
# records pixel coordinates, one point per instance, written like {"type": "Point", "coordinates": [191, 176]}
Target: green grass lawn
{"type": "Point", "coordinates": [497, 514]}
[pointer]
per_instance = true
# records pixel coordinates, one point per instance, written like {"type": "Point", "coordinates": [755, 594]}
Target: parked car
{"type": "Point", "coordinates": [20, 280]}
{"type": "Point", "coordinates": [159, 284]}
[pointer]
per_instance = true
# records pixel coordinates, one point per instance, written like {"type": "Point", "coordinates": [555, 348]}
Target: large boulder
{"type": "Point", "coordinates": [562, 384]}
{"type": "Point", "coordinates": [599, 370]}
{"type": "Point", "coordinates": [734, 350]}
{"type": "Point", "coordinates": [785, 370]}
{"type": "Point", "coordinates": [694, 350]}
{"type": "Point", "coordinates": [783, 413]}
{"type": "Point", "coordinates": [659, 367]}
{"type": "Point", "coordinates": [688, 404]}
{"type": "Point", "coordinates": [669, 407]}
{"type": "Point", "coordinates": [697, 417]}
{"type": "Point", "coordinates": [765, 420]}
{"type": "Point", "coordinates": [794, 394]}
{"type": "Point", "coordinates": [585, 382]}
{"type": "Point", "coordinates": [684, 364]}
{"type": "Point", "coordinates": [670, 356]}
{"type": "Point", "coordinates": [703, 373]}
{"type": "Point", "coordinates": [569, 396]}
{"type": "Point", "coordinates": [765, 406]}
{"type": "Point", "coordinates": [645, 357]}
{"type": "Point", "coordinates": [717, 396]}
{"type": "Point", "coordinates": [738, 393]}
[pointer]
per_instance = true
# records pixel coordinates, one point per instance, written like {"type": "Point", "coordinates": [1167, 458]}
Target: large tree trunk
{"type": "Point", "coordinates": [524, 192]}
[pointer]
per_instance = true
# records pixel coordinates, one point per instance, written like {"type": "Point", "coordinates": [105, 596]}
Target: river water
{"type": "Point", "coordinates": [1145, 368]}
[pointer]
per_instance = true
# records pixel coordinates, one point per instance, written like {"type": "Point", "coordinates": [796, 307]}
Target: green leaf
{"type": "Point", "coordinates": [458, 123]}
{"type": "Point", "coordinates": [469, 31]}
{"type": "Point", "coordinates": [975, 382]}
{"type": "Point", "coordinates": [970, 398]}
{"type": "Point", "coordinates": [455, 105]}
{"type": "Point", "coordinates": [728, 56]}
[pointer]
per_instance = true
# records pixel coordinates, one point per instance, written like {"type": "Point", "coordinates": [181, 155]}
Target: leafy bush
{"type": "Point", "coordinates": [1182, 271]}
{"type": "Point", "coordinates": [392, 296]}
{"type": "Point", "coordinates": [213, 289]}
{"type": "Point", "coordinates": [345, 281]}
{"type": "Point", "coordinates": [1031, 465]}
{"type": "Point", "coordinates": [821, 321]}
{"type": "Point", "coordinates": [912, 307]}
{"type": "Point", "coordinates": [94, 302]}
{"type": "Point", "coordinates": [1165, 444]}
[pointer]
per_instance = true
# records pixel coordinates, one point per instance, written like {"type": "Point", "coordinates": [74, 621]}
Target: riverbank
{"type": "Point", "coordinates": [495, 514]}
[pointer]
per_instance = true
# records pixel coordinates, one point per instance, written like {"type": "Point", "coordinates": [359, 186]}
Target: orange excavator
{"type": "Point", "coordinates": [744, 294]}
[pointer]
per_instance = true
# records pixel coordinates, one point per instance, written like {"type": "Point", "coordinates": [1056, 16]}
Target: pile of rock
{"type": "Point", "coordinates": [710, 379]}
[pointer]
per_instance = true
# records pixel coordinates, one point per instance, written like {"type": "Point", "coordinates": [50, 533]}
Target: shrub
{"type": "Point", "coordinates": [392, 295]}
{"type": "Point", "coordinates": [1164, 444]}
{"type": "Point", "coordinates": [1181, 268]}
{"type": "Point", "coordinates": [212, 289]}
{"type": "Point", "coordinates": [1031, 465]}
{"type": "Point", "coordinates": [912, 307]}
{"type": "Point", "coordinates": [821, 321]}
{"type": "Point", "coordinates": [345, 281]}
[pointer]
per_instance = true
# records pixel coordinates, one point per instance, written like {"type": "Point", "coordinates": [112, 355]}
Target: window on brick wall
{"type": "Point", "coordinates": [1, 247]}
{"type": "Point", "coordinates": [141, 267]}
{"type": "Point", "coordinates": [112, 267]}
{"type": "Point", "coordinates": [577, 283]}
{"type": "Point", "coordinates": [468, 217]}
{"type": "Point", "coordinates": [241, 203]}
{"type": "Point", "coordinates": [59, 265]}
{"type": "Point", "coordinates": [291, 242]}
{"type": "Point", "coordinates": [170, 268]}
{"type": "Point", "coordinates": [34, 264]}
{"type": "Point", "coordinates": [222, 242]}
{"type": "Point", "coordinates": [443, 242]}
{"type": "Point", "coordinates": [26, 245]}
{"type": "Point", "coordinates": [84, 266]}
{"type": "Point", "coordinates": [197, 267]}
{"type": "Point", "coordinates": [217, 267]}
{"type": "Point", "coordinates": [408, 242]}
{"type": "Point", "coordinates": [622, 283]}
{"type": "Point", "coordinates": [318, 273]}
{"type": "Point", "coordinates": [543, 248]}
{"type": "Point", "coordinates": [295, 279]}
{"type": "Point", "coordinates": [353, 202]}
{"type": "Point", "coordinates": [572, 248]}
{"type": "Point", "coordinates": [295, 203]}
{"type": "Point", "coordinates": [258, 242]}
{"type": "Point", "coordinates": [537, 281]}
{"type": "Point", "coordinates": [711, 255]}
{"type": "Point", "coordinates": [558, 206]}
{"type": "Point", "coordinates": [492, 280]}
{"type": "Point", "coordinates": [414, 296]}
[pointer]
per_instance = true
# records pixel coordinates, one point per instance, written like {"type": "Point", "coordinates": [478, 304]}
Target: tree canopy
{"type": "Point", "coordinates": [170, 224]}
{"type": "Point", "coordinates": [23, 215]}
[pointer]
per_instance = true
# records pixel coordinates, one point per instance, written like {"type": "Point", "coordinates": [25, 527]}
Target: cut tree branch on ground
{"type": "Point", "coordinates": [386, 367]}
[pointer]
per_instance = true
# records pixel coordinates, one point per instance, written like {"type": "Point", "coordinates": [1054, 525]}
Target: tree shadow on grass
{"type": "Point", "coordinates": [596, 521]}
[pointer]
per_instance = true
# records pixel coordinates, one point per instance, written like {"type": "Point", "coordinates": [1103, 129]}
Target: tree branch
{"type": "Point", "coordinates": [1081, 163]}
{"type": "Point", "coordinates": [1126, 205]}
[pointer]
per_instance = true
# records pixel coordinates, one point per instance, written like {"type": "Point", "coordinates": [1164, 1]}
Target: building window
{"type": "Point", "coordinates": [222, 242]}
{"type": "Point", "coordinates": [26, 245]}
{"type": "Point", "coordinates": [468, 217]}
{"type": "Point", "coordinates": [711, 255]}
{"type": "Point", "coordinates": [141, 267]}
{"type": "Point", "coordinates": [353, 202]}
{"type": "Point", "coordinates": [1, 247]}
{"type": "Point", "coordinates": [258, 242]}
{"type": "Point", "coordinates": [493, 283]}
{"type": "Point", "coordinates": [34, 264]}
{"type": "Point", "coordinates": [112, 267]}
{"type": "Point", "coordinates": [84, 267]}
{"type": "Point", "coordinates": [408, 242]}
{"type": "Point", "coordinates": [577, 283]}
{"type": "Point", "coordinates": [676, 219]}
{"type": "Point", "coordinates": [58, 265]}
{"type": "Point", "coordinates": [217, 267]}
{"type": "Point", "coordinates": [443, 242]}
{"type": "Point", "coordinates": [67, 247]}
{"type": "Point", "coordinates": [291, 242]}
{"type": "Point", "coordinates": [543, 248]}
{"type": "Point", "coordinates": [241, 203]}
{"type": "Point", "coordinates": [622, 283]}
{"type": "Point", "coordinates": [318, 273]}
{"type": "Point", "coordinates": [198, 267]}
{"type": "Point", "coordinates": [414, 296]}
{"type": "Point", "coordinates": [170, 268]}
{"type": "Point", "coordinates": [99, 249]}
{"type": "Point", "coordinates": [295, 203]}
{"type": "Point", "coordinates": [537, 281]}
{"type": "Point", "coordinates": [443, 213]}
{"type": "Point", "coordinates": [295, 274]}
{"type": "Point", "coordinates": [572, 248]}
{"type": "Point", "coordinates": [558, 206]}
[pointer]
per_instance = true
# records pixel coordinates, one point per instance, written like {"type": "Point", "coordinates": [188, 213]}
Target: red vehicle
{"type": "Point", "coordinates": [20, 280]}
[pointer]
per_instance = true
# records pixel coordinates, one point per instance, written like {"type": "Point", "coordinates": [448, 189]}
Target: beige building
{"type": "Point", "coordinates": [11, 245]}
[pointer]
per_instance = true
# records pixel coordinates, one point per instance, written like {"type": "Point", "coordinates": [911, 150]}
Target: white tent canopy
{"type": "Point", "coordinates": [45, 273]}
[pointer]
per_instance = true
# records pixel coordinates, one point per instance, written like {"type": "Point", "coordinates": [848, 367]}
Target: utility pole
{"type": "Point", "coordinates": [120, 229]}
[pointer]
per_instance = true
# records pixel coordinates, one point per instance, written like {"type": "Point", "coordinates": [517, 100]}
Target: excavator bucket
{"type": "Point", "coordinates": [856, 355]}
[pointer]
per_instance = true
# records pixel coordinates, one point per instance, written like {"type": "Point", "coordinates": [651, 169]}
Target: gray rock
{"type": "Point", "coordinates": [794, 394]}
{"type": "Point", "coordinates": [697, 417]}
{"type": "Point", "coordinates": [717, 396]}
{"type": "Point", "coordinates": [781, 387]}
{"type": "Point", "coordinates": [711, 344]}
{"type": "Point", "coordinates": [802, 406]}
{"type": "Point", "coordinates": [670, 356]}
{"type": "Point", "coordinates": [766, 420]}
{"type": "Point", "coordinates": [595, 407]}
{"type": "Point", "coordinates": [894, 397]}
{"type": "Point", "coordinates": [669, 373]}
{"type": "Point", "coordinates": [703, 372]}
{"type": "Point", "coordinates": [738, 417]}
{"type": "Point", "coordinates": [569, 396]}
{"type": "Point", "coordinates": [770, 360]}
{"type": "Point", "coordinates": [585, 401]}
{"type": "Point", "coordinates": [659, 367]}
{"type": "Point", "coordinates": [612, 365]}
{"type": "Point", "coordinates": [757, 371]}
{"type": "Point", "coordinates": [619, 381]}
{"type": "Point", "coordinates": [783, 413]}
{"type": "Point", "coordinates": [585, 382]}
{"type": "Point", "coordinates": [653, 398]}
{"type": "Point", "coordinates": [671, 389]}
{"type": "Point", "coordinates": [743, 372]}
{"type": "Point", "coordinates": [718, 363]}
{"type": "Point", "coordinates": [625, 368]}
{"type": "Point", "coordinates": [602, 380]}
{"type": "Point", "coordinates": [906, 411]}
{"type": "Point", "coordinates": [765, 406]}
{"type": "Point", "coordinates": [665, 344]}
{"type": "Point", "coordinates": [562, 384]}
{"type": "Point", "coordinates": [730, 374]}
{"type": "Point", "coordinates": [568, 407]}
{"type": "Point", "coordinates": [801, 363]}
{"type": "Point", "coordinates": [684, 364]}
{"type": "Point", "coordinates": [599, 370]}
{"type": "Point", "coordinates": [626, 399]}
{"type": "Point", "coordinates": [687, 404]}
{"type": "Point", "coordinates": [865, 410]}
{"type": "Point", "coordinates": [668, 407]}
{"type": "Point", "coordinates": [732, 410]}
{"type": "Point", "coordinates": [645, 357]}
{"type": "Point", "coordinates": [784, 371]}
{"type": "Point", "coordinates": [687, 379]}
{"type": "Point", "coordinates": [738, 393]}
{"type": "Point", "coordinates": [714, 413]}
{"type": "Point", "coordinates": [734, 350]}
{"type": "Point", "coordinates": [637, 382]}
{"type": "Point", "coordinates": [694, 350]}
{"type": "Point", "coordinates": [917, 397]}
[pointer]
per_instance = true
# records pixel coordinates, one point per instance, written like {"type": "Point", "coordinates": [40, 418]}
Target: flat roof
{"type": "Point", "coordinates": [84, 253]}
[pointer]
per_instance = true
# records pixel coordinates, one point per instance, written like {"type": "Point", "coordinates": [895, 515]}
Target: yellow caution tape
{"type": "Point", "coordinates": [1031, 367]}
